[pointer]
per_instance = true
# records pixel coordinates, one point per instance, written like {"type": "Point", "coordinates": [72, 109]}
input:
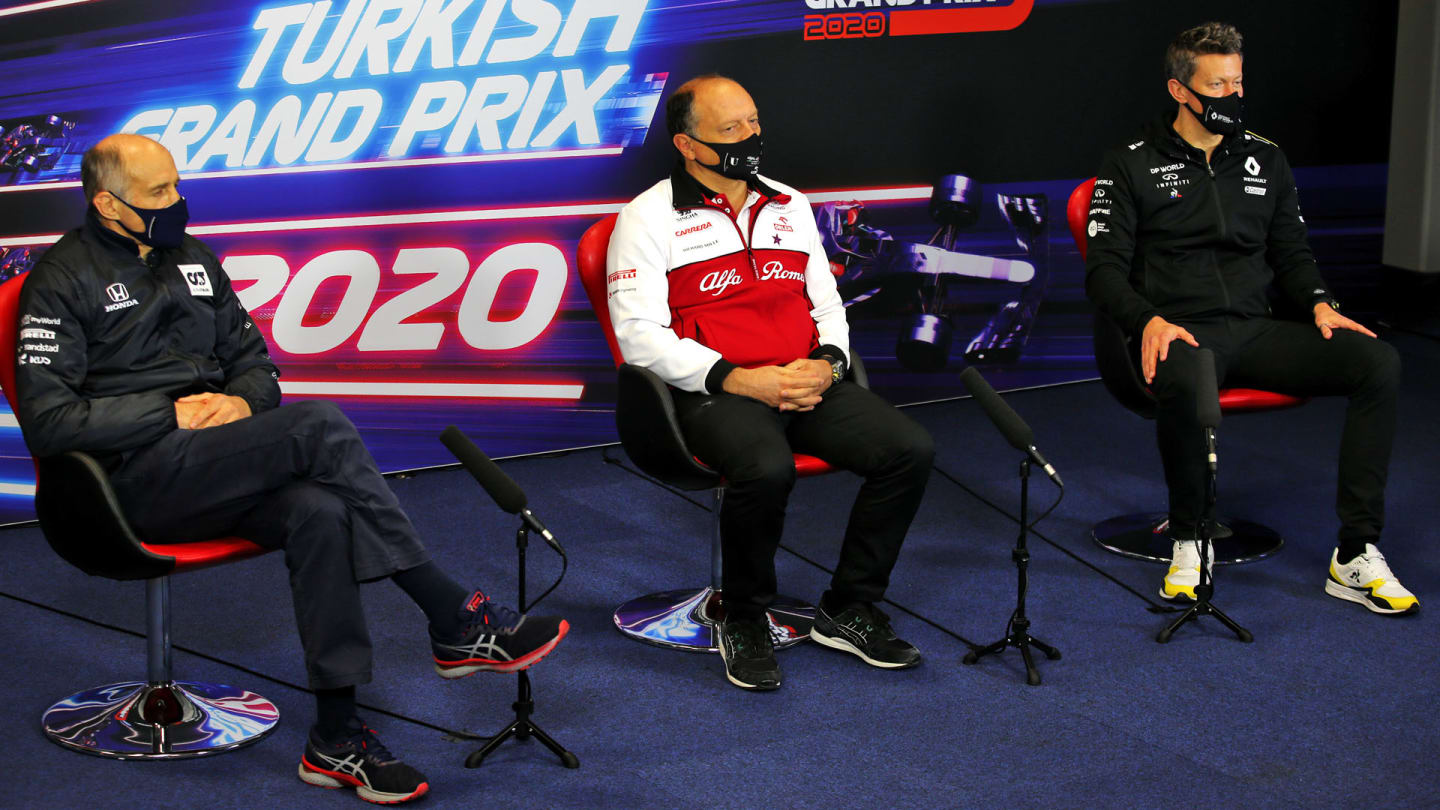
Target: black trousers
{"type": "Point", "coordinates": [1290, 358]}
{"type": "Point", "coordinates": [751, 445]}
{"type": "Point", "coordinates": [296, 478]}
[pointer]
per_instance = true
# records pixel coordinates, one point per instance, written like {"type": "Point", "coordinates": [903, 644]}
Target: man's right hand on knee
{"type": "Point", "coordinates": [1155, 344]}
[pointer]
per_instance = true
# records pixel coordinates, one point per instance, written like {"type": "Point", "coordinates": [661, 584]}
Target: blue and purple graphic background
{"type": "Point", "coordinates": [421, 273]}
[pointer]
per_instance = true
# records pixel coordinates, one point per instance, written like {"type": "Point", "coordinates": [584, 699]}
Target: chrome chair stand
{"type": "Point", "coordinates": [1147, 537]}
{"type": "Point", "coordinates": [159, 718]}
{"type": "Point", "coordinates": [688, 619]}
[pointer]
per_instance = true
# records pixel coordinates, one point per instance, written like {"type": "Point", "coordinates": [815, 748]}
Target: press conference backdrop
{"type": "Point", "coordinates": [396, 187]}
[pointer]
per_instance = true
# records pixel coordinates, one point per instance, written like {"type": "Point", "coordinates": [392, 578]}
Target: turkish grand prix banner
{"type": "Point", "coordinates": [396, 187]}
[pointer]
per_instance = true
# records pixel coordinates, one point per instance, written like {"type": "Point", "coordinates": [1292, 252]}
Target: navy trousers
{"type": "Point", "coordinates": [296, 478]}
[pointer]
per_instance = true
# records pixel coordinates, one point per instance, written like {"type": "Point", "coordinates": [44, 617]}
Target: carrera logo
{"type": "Point", "coordinates": [783, 224]}
{"type": "Point", "coordinates": [717, 282]}
{"type": "Point", "coordinates": [693, 229]}
{"type": "Point", "coordinates": [619, 275]}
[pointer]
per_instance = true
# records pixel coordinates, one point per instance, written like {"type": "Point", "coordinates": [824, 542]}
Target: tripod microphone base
{"type": "Point", "coordinates": [1023, 641]}
{"type": "Point", "coordinates": [1204, 608]}
{"type": "Point", "coordinates": [522, 728]}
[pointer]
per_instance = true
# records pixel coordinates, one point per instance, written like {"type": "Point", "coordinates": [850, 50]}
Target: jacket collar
{"type": "Point", "coordinates": [687, 192]}
{"type": "Point", "coordinates": [1161, 132]}
{"type": "Point", "coordinates": [107, 237]}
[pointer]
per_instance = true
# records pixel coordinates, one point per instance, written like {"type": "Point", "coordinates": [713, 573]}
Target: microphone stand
{"type": "Point", "coordinates": [1206, 588]}
{"type": "Point", "coordinates": [1018, 630]}
{"type": "Point", "coordinates": [522, 728]}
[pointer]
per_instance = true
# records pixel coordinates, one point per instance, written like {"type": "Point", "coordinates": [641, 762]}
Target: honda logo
{"type": "Point", "coordinates": [117, 293]}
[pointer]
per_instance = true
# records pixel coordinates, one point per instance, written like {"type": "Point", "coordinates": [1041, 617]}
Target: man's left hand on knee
{"type": "Point", "coordinates": [1328, 320]}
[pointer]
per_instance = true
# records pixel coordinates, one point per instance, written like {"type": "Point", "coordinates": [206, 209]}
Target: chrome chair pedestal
{"type": "Point", "coordinates": [689, 620]}
{"type": "Point", "coordinates": [1144, 537]}
{"type": "Point", "coordinates": [174, 720]}
{"type": "Point", "coordinates": [159, 718]}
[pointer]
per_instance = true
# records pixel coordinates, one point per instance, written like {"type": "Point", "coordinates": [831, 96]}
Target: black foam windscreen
{"type": "Point", "coordinates": [506, 493]}
{"type": "Point", "coordinates": [1011, 426]}
{"type": "Point", "coordinates": [1207, 391]}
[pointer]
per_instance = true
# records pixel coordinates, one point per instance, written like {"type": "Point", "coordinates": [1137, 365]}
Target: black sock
{"type": "Point", "coordinates": [334, 708]}
{"type": "Point", "coordinates": [834, 603]}
{"type": "Point", "coordinates": [1350, 549]}
{"type": "Point", "coordinates": [436, 594]}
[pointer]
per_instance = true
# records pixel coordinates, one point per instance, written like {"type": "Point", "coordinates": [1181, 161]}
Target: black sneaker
{"type": "Point", "coordinates": [749, 655]}
{"type": "Point", "coordinates": [496, 639]}
{"type": "Point", "coordinates": [864, 630]}
{"type": "Point", "coordinates": [361, 762]}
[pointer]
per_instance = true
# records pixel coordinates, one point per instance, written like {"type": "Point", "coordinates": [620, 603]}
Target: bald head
{"type": "Point", "coordinates": [693, 98]}
{"type": "Point", "coordinates": [120, 161]}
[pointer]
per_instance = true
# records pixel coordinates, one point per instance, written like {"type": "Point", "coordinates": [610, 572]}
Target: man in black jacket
{"type": "Point", "coordinates": [1189, 227]}
{"type": "Point", "coordinates": [133, 348]}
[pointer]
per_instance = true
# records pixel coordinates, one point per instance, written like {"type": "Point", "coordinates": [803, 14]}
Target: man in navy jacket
{"type": "Point", "coordinates": [133, 348]}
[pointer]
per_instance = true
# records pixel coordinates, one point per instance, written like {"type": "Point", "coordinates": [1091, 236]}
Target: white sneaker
{"type": "Point", "coordinates": [1367, 580]}
{"type": "Point", "coordinates": [1184, 572]}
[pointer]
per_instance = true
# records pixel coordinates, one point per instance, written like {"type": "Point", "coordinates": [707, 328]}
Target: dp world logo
{"type": "Point", "coordinates": [117, 292]}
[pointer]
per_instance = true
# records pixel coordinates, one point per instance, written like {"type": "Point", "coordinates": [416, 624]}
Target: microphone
{"type": "Point", "coordinates": [1207, 403]}
{"type": "Point", "coordinates": [1011, 426]}
{"type": "Point", "coordinates": [501, 487]}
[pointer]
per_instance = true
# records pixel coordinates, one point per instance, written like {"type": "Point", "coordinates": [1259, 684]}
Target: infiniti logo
{"type": "Point", "coordinates": [1170, 176]}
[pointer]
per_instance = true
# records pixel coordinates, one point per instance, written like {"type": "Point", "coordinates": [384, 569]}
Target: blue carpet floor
{"type": "Point", "coordinates": [1330, 707]}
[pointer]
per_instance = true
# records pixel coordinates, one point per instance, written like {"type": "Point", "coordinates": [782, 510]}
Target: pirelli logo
{"type": "Point", "coordinates": [619, 275]}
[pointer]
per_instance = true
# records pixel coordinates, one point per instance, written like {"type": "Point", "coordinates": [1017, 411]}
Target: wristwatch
{"type": "Point", "coordinates": [837, 368]}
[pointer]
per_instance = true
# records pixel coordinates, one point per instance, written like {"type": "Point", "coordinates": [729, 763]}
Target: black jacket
{"type": "Point", "coordinates": [1173, 237]}
{"type": "Point", "coordinates": [108, 341]}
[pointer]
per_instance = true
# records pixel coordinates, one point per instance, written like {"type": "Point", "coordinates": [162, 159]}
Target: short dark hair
{"type": "Point", "coordinates": [102, 169]}
{"type": "Point", "coordinates": [679, 117]}
{"type": "Point", "coordinates": [1206, 38]}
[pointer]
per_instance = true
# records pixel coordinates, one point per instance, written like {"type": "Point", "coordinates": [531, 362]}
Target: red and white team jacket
{"type": "Point", "coordinates": [696, 289]}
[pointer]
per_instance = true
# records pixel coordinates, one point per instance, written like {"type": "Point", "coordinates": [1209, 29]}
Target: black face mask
{"type": "Point", "coordinates": [739, 160]}
{"type": "Point", "coordinates": [1222, 115]}
{"type": "Point", "coordinates": [164, 227]}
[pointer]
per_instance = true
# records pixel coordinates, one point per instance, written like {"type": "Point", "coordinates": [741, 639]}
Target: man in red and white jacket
{"type": "Point", "coordinates": [718, 283]}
